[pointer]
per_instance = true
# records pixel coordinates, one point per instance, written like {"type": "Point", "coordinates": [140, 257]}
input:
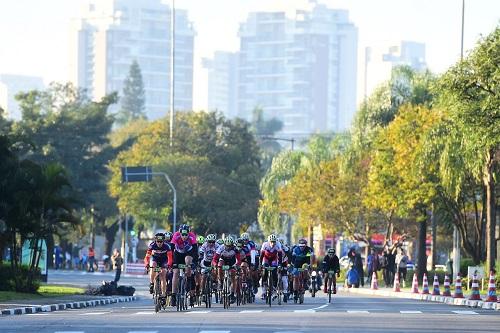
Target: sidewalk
{"type": "Point", "coordinates": [50, 304]}
{"type": "Point", "coordinates": [387, 292]}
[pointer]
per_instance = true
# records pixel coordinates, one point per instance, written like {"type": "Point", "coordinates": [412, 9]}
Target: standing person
{"type": "Point", "coordinates": [67, 256]}
{"type": "Point", "coordinates": [357, 263]}
{"type": "Point", "coordinates": [372, 264]}
{"type": "Point", "coordinates": [391, 264]}
{"type": "Point", "coordinates": [384, 267]}
{"type": "Point", "coordinates": [118, 262]}
{"type": "Point", "coordinates": [401, 266]}
{"type": "Point", "coordinates": [57, 256]}
{"type": "Point", "coordinates": [91, 259]}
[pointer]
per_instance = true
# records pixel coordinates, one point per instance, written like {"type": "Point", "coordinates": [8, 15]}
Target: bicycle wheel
{"type": "Point", "coordinates": [269, 298]}
{"type": "Point", "coordinates": [157, 293]}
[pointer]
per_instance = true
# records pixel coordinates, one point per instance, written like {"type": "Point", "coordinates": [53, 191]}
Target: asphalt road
{"type": "Point", "coordinates": [346, 313]}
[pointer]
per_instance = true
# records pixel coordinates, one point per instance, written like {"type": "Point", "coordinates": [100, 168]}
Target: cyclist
{"type": "Point", "coordinates": [330, 263]}
{"type": "Point", "coordinates": [226, 255]}
{"type": "Point", "coordinates": [270, 255]}
{"type": "Point", "coordinates": [159, 254]}
{"type": "Point", "coordinates": [220, 242]}
{"type": "Point", "coordinates": [207, 253]}
{"type": "Point", "coordinates": [287, 255]}
{"type": "Point", "coordinates": [244, 252]}
{"type": "Point", "coordinates": [301, 257]}
{"type": "Point", "coordinates": [185, 249]}
{"type": "Point", "coordinates": [252, 260]}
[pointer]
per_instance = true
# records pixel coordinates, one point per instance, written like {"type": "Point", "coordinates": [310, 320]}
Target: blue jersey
{"type": "Point", "coordinates": [301, 257]}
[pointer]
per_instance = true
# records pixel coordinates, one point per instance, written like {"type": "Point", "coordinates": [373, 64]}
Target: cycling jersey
{"type": "Point", "coordinates": [271, 254]}
{"type": "Point", "coordinates": [181, 245]}
{"type": "Point", "coordinates": [301, 257]}
{"type": "Point", "coordinates": [330, 263]}
{"type": "Point", "coordinates": [161, 254]}
{"type": "Point", "coordinates": [207, 252]}
{"type": "Point", "coordinates": [244, 252]}
{"type": "Point", "coordinates": [227, 256]}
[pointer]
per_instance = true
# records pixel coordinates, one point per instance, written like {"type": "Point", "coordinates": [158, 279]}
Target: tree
{"type": "Point", "coordinates": [470, 92]}
{"type": "Point", "coordinates": [133, 99]}
{"type": "Point", "coordinates": [264, 131]}
{"type": "Point", "coordinates": [214, 164]}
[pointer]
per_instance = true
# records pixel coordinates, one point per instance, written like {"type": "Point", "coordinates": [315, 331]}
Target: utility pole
{"type": "Point", "coordinates": [456, 233]}
{"type": "Point", "coordinates": [172, 65]}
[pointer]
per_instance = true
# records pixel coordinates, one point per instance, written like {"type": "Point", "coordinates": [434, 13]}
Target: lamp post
{"type": "Point", "coordinates": [172, 65]}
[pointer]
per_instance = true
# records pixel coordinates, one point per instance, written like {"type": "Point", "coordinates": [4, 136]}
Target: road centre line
{"type": "Point", "coordinates": [357, 311]}
{"type": "Point", "coordinates": [214, 331]}
{"type": "Point", "coordinates": [251, 311]}
{"type": "Point", "coordinates": [465, 312]}
{"type": "Point", "coordinates": [320, 307]}
{"type": "Point", "coordinates": [93, 313]}
{"type": "Point", "coordinates": [410, 312]}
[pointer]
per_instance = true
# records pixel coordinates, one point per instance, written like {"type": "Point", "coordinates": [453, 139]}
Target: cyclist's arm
{"type": "Point", "coordinates": [147, 257]}
{"type": "Point", "coordinates": [238, 259]}
{"type": "Point", "coordinates": [170, 258]}
{"type": "Point", "coordinates": [215, 259]}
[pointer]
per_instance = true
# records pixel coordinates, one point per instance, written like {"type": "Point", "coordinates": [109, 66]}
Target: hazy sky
{"type": "Point", "coordinates": [34, 33]}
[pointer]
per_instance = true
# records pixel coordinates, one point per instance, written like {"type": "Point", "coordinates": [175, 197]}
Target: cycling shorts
{"type": "Point", "coordinates": [180, 258]}
{"type": "Point", "coordinates": [227, 261]}
{"type": "Point", "coordinates": [160, 261]}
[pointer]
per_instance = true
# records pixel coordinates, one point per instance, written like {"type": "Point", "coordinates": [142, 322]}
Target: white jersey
{"type": "Point", "coordinates": [207, 251]}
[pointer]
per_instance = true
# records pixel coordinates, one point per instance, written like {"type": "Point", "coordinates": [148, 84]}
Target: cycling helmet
{"type": "Point", "coordinates": [160, 236]}
{"type": "Point", "coordinates": [245, 236]}
{"type": "Point", "coordinates": [211, 238]}
{"type": "Point", "coordinates": [184, 227]}
{"type": "Point", "coordinates": [168, 235]}
{"type": "Point", "coordinates": [302, 242]}
{"type": "Point", "coordinates": [240, 242]}
{"type": "Point", "coordinates": [229, 241]}
{"type": "Point", "coordinates": [331, 251]}
{"type": "Point", "coordinates": [220, 241]}
{"type": "Point", "coordinates": [272, 238]}
{"type": "Point", "coordinates": [200, 240]}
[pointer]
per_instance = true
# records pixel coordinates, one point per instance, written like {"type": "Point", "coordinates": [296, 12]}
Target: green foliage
{"type": "Point", "coordinates": [214, 165]}
{"type": "Point", "coordinates": [20, 279]}
{"type": "Point", "coordinates": [133, 99]}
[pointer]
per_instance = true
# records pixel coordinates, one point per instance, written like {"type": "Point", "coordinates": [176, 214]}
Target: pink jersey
{"type": "Point", "coordinates": [183, 246]}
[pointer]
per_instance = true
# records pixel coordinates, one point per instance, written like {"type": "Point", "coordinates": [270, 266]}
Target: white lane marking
{"type": "Point", "coordinates": [37, 314]}
{"type": "Point", "coordinates": [193, 312]}
{"type": "Point", "coordinates": [142, 331]}
{"type": "Point", "coordinates": [214, 331]}
{"type": "Point", "coordinates": [357, 311]}
{"type": "Point", "coordinates": [465, 312]}
{"type": "Point", "coordinates": [93, 313]}
{"type": "Point", "coordinates": [144, 313]}
{"type": "Point", "coordinates": [409, 312]}
{"type": "Point", "coordinates": [69, 332]}
{"type": "Point", "coordinates": [320, 307]}
{"type": "Point", "coordinates": [305, 311]}
{"type": "Point", "coordinates": [251, 311]}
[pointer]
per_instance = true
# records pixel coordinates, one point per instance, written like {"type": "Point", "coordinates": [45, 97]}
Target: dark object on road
{"type": "Point", "coordinates": [108, 288]}
{"type": "Point", "coordinates": [125, 290]}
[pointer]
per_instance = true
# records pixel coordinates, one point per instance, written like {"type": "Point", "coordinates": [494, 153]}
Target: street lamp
{"type": "Point", "coordinates": [172, 64]}
{"type": "Point", "coordinates": [292, 140]}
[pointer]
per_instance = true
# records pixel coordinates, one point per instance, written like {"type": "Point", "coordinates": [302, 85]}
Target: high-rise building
{"type": "Point", "coordinates": [10, 86]}
{"type": "Point", "coordinates": [222, 82]}
{"type": "Point", "coordinates": [300, 68]}
{"type": "Point", "coordinates": [380, 60]}
{"type": "Point", "coordinates": [112, 33]}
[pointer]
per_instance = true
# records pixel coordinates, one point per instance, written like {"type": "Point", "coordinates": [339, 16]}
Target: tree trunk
{"type": "Point", "coordinates": [50, 250]}
{"type": "Point", "coordinates": [421, 256]}
{"type": "Point", "coordinates": [110, 234]}
{"type": "Point", "coordinates": [434, 238]}
{"type": "Point", "coordinates": [490, 216]}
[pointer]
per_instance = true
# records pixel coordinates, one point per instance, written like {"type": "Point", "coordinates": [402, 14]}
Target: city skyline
{"type": "Point", "coordinates": [435, 24]}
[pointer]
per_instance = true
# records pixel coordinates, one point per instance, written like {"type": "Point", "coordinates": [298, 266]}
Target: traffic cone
{"type": "Point", "coordinates": [397, 287]}
{"type": "Point", "coordinates": [458, 288]}
{"type": "Point", "coordinates": [435, 286]}
{"type": "Point", "coordinates": [446, 291]}
{"type": "Point", "coordinates": [425, 286]}
{"type": "Point", "coordinates": [475, 296]}
{"type": "Point", "coordinates": [374, 285]}
{"type": "Point", "coordinates": [492, 289]}
{"type": "Point", "coordinates": [414, 285]}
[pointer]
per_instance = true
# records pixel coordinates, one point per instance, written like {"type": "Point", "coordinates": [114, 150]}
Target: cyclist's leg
{"type": "Point", "coordinates": [220, 275]}
{"type": "Point", "coordinates": [284, 279]}
{"type": "Point", "coordinates": [178, 259]}
{"type": "Point", "coordinates": [325, 287]}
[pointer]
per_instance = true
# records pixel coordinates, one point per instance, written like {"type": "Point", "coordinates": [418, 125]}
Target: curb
{"type": "Point", "coordinates": [64, 306]}
{"type": "Point", "coordinates": [428, 298]}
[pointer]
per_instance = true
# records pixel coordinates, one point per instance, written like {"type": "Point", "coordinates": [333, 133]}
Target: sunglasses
{"type": "Point", "coordinates": [184, 235]}
{"type": "Point", "coordinates": [211, 242]}
{"type": "Point", "coordinates": [159, 241]}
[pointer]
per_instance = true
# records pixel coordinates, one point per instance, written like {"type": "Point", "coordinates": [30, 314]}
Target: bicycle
{"type": "Point", "coordinates": [300, 292]}
{"type": "Point", "coordinates": [207, 287]}
{"type": "Point", "coordinates": [226, 287]}
{"type": "Point", "coordinates": [159, 301]}
{"type": "Point", "coordinates": [313, 288]}
{"type": "Point", "coordinates": [269, 292]}
{"type": "Point", "coordinates": [181, 296]}
{"type": "Point", "coordinates": [331, 281]}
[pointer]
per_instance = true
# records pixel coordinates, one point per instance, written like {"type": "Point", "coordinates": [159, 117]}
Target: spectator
{"type": "Point", "coordinates": [401, 265]}
{"type": "Point", "coordinates": [91, 259]}
{"type": "Point", "coordinates": [118, 262]}
{"type": "Point", "coordinates": [67, 256]}
{"type": "Point", "coordinates": [357, 263]}
{"type": "Point", "coordinates": [391, 264]}
{"type": "Point", "coordinates": [384, 267]}
{"type": "Point", "coordinates": [76, 256]}
{"type": "Point", "coordinates": [372, 264]}
{"type": "Point", "coordinates": [84, 260]}
{"type": "Point", "coordinates": [57, 256]}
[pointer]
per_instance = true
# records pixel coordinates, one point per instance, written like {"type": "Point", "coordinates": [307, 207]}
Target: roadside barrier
{"type": "Point", "coordinates": [425, 286]}
{"type": "Point", "coordinates": [492, 289]}
{"type": "Point", "coordinates": [458, 288]}
{"type": "Point", "coordinates": [397, 287]}
{"type": "Point", "coordinates": [435, 286]}
{"type": "Point", "coordinates": [475, 295]}
{"type": "Point", "coordinates": [414, 285]}
{"type": "Point", "coordinates": [447, 291]}
{"type": "Point", "coordinates": [374, 285]}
